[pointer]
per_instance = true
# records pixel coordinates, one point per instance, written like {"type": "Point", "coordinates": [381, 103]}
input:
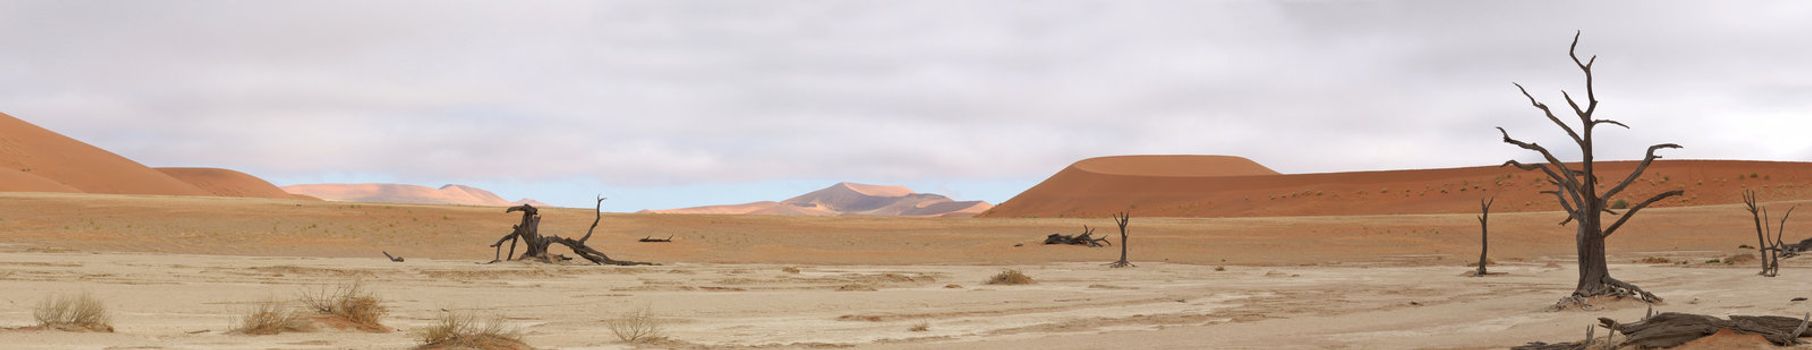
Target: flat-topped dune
{"type": "Point", "coordinates": [229, 183]}
{"type": "Point", "coordinates": [849, 199]}
{"type": "Point", "coordinates": [1181, 186]}
{"type": "Point", "coordinates": [405, 194]}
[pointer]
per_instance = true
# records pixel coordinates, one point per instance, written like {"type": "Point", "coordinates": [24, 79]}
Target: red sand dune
{"type": "Point", "coordinates": [229, 183]}
{"type": "Point", "coordinates": [77, 166]}
{"type": "Point", "coordinates": [409, 194]}
{"type": "Point", "coordinates": [848, 199]}
{"type": "Point", "coordinates": [1212, 186]}
{"type": "Point", "coordinates": [34, 159]}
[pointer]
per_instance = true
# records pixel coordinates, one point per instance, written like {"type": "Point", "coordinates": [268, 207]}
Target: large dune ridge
{"type": "Point", "coordinates": [406, 194]}
{"type": "Point", "coordinates": [44, 156]}
{"type": "Point", "coordinates": [848, 199]}
{"type": "Point", "coordinates": [1175, 186]}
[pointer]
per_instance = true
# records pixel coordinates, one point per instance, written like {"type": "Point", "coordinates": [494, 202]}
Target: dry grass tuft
{"type": "Point", "coordinates": [272, 317]}
{"type": "Point", "coordinates": [1011, 277]}
{"type": "Point", "coordinates": [639, 326]}
{"type": "Point", "coordinates": [350, 305]}
{"type": "Point", "coordinates": [789, 269]}
{"type": "Point", "coordinates": [920, 327]}
{"type": "Point", "coordinates": [462, 330]}
{"type": "Point", "coordinates": [77, 313]}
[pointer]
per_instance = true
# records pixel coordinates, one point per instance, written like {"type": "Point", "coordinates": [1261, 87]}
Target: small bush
{"type": "Point", "coordinates": [461, 330]}
{"type": "Point", "coordinates": [789, 269]}
{"type": "Point", "coordinates": [636, 326]}
{"type": "Point", "coordinates": [1620, 204]}
{"type": "Point", "coordinates": [1011, 277]}
{"type": "Point", "coordinates": [349, 303]}
{"type": "Point", "coordinates": [272, 317]}
{"type": "Point", "coordinates": [921, 327]}
{"type": "Point", "coordinates": [81, 312]}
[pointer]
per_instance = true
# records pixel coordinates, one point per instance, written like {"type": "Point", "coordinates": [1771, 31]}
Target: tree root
{"type": "Point", "coordinates": [1608, 287]}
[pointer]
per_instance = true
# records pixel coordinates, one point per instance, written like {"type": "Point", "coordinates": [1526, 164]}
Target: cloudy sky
{"type": "Point", "coordinates": [678, 103]}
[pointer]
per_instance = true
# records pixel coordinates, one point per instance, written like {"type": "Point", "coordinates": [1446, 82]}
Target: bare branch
{"type": "Point", "coordinates": [1632, 213]}
{"type": "Point", "coordinates": [1550, 113]}
{"type": "Point", "coordinates": [1640, 168]}
{"type": "Point", "coordinates": [595, 220]}
{"type": "Point", "coordinates": [1608, 121]}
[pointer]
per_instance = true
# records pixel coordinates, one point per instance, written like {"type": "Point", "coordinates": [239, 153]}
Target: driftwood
{"type": "Point", "coordinates": [535, 245]}
{"type": "Point", "coordinates": [1121, 220]}
{"type": "Point", "coordinates": [1670, 329]}
{"type": "Point", "coordinates": [1085, 239]}
{"type": "Point", "coordinates": [393, 258]}
{"type": "Point", "coordinates": [651, 239]}
{"type": "Point", "coordinates": [1576, 188]}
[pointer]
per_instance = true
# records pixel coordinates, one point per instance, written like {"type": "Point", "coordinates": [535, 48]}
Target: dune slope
{"type": "Point", "coordinates": [78, 166]}
{"type": "Point", "coordinates": [1192, 187]}
{"type": "Point", "coordinates": [229, 183]}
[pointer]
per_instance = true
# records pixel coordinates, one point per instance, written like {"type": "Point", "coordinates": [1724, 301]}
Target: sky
{"type": "Point", "coordinates": [663, 104]}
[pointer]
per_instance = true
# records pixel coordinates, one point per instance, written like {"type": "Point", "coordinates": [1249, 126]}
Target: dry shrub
{"type": "Point", "coordinates": [920, 327]}
{"type": "Point", "coordinates": [789, 269]}
{"type": "Point", "coordinates": [348, 305]}
{"type": "Point", "coordinates": [77, 313]}
{"type": "Point", "coordinates": [637, 326]}
{"type": "Point", "coordinates": [272, 317]}
{"type": "Point", "coordinates": [1011, 277]}
{"type": "Point", "coordinates": [462, 330]}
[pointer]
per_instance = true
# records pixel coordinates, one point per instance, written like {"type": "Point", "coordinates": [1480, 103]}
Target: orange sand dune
{"type": "Point", "coordinates": [12, 180]}
{"type": "Point", "coordinates": [229, 183]}
{"type": "Point", "coordinates": [77, 166]}
{"type": "Point", "coordinates": [1194, 186]}
{"type": "Point", "coordinates": [848, 199]}
{"type": "Point", "coordinates": [407, 194]}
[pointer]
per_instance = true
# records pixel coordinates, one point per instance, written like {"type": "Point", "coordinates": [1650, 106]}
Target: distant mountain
{"type": "Point", "coordinates": [409, 194]}
{"type": "Point", "coordinates": [849, 199]}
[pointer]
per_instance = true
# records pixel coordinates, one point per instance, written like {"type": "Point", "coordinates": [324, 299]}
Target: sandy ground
{"type": "Point", "coordinates": [177, 270]}
{"type": "Point", "coordinates": [176, 301]}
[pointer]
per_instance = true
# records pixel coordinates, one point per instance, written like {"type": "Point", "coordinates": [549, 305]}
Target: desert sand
{"type": "Point", "coordinates": [176, 270]}
{"type": "Point", "coordinates": [1218, 186]}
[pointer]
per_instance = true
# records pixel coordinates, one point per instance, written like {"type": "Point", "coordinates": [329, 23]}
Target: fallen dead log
{"type": "Point", "coordinates": [393, 258]}
{"type": "Point", "coordinates": [1671, 329]}
{"type": "Point", "coordinates": [651, 239]}
{"type": "Point", "coordinates": [1086, 238]}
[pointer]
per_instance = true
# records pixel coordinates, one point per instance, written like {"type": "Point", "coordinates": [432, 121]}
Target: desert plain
{"type": "Point", "coordinates": [177, 270]}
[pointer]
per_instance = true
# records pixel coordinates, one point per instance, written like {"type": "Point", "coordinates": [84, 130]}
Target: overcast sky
{"type": "Point", "coordinates": [678, 103]}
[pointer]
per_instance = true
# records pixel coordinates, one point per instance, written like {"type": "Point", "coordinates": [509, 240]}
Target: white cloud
{"type": "Point", "coordinates": [661, 93]}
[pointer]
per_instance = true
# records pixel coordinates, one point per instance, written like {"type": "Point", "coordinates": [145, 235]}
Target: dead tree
{"type": "Point", "coordinates": [1122, 219]}
{"type": "Point", "coordinates": [535, 245]}
{"type": "Point", "coordinates": [1577, 190]}
{"type": "Point", "coordinates": [1484, 234]}
{"type": "Point", "coordinates": [1771, 246]}
{"type": "Point", "coordinates": [1086, 238]}
{"type": "Point", "coordinates": [651, 239]}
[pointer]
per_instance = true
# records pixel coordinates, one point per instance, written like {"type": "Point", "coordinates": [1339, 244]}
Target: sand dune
{"type": "Point", "coordinates": [229, 183]}
{"type": "Point", "coordinates": [848, 199]}
{"type": "Point", "coordinates": [1176, 186]}
{"type": "Point", "coordinates": [12, 180]}
{"type": "Point", "coordinates": [78, 166]}
{"type": "Point", "coordinates": [408, 194]}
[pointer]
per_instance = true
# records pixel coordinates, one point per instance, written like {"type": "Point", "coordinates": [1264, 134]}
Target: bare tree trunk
{"type": "Point", "coordinates": [1484, 235]}
{"type": "Point", "coordinates": [1122, 219]}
